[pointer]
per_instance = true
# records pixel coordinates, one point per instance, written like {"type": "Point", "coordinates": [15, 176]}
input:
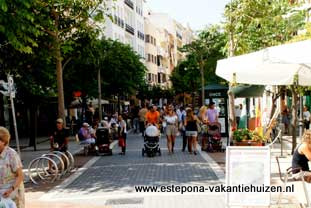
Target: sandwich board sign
{"type": "Point", "coordinates": [247, 175]}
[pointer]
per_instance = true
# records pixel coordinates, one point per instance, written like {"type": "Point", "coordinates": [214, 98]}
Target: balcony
{"type": "Point", "coordinates": [178, 35]}
{"type": "Point", "coordinates": [162, 69]}
{"type": "Point", "coordinates": [118, 21]}
{"type": "Point", "coordinates": [129, 29]}
{"type": "Point", "coordinates": [129, 3]}
{"type": "Point", "coordinates": [141, 35]}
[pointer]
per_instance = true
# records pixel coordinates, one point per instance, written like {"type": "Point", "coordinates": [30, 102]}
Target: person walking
{"type": "Point", "coordinates": [191, 123]}
{"type": "Point", "coordinates": [238, 112]}
{"type": "Point", "coordinates": [204, 126]}
{"type": "Point", "coordinates": [142, 119]}
{"type": "Point", "coordinates": [171, 121]}
{"type": "Point", "coordinates": [285, 119]}
{"type": "Point", "coordinates": [122, 133]}
{"type": "Point", "coordinates": [306, 117]}
{"type": "Point", "coordinates": [11, 171]}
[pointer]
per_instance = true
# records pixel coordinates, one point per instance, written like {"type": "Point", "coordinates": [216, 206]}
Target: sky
{"type": "Point", "coordinates": [198, 13]}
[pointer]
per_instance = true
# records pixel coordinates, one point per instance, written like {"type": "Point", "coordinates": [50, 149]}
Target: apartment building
{"type": "Point", "coordinates": [127, 24]}
{"type": "Point", "coordinates": [156, 37]}
{"type": "Point", "coordinates": [151, 50]}
{"type": "Point", "coordinates": [170, 36]}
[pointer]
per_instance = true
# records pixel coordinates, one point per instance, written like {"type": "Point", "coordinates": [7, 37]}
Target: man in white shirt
{"type": "Point", "coordinates": [238, 111]}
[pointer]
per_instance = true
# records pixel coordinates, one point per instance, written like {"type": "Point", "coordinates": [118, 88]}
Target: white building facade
{"type": "Point", "coordinates": [156, 37]}
{"type": "Point", "coordinates": [127, 24]}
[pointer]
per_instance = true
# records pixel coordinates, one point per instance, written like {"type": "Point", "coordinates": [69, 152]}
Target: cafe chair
{"type": "Point", "coordinates": [290, 178]}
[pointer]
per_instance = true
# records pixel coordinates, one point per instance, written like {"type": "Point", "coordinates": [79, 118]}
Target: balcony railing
{"type": "Point", "coordinates": [129, 3]}
{"type": "Point", "coordinates": [129, 29]}
{"type": "Point", "coordinates": [179, 35]}
{"type": "Point", "coordinates": [118, 21]}
{"type": "Point", "coordinates": [141, 35]}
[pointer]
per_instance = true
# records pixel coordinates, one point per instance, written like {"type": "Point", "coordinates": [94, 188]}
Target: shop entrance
{"type": "Point", "coordinates": [218, 94]}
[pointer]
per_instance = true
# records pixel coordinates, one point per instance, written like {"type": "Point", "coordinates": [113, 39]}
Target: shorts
{"type": "Point", "coordinates": [171, 130]}
{"type": "Point", "coordinates": [191, 133]}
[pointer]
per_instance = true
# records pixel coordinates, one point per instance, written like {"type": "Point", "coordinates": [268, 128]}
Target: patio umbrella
{"type": "Point", "coordinates": [276, 65]}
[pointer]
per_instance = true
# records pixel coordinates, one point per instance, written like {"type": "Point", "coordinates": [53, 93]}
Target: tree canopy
{"type": "Point", "coordinates": [201, 54]}
{"type": "Point", "coordinates": [253, 25]}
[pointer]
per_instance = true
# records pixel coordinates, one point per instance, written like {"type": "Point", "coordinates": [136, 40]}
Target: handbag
{"type": "Point", "coordinates": [121, 142]}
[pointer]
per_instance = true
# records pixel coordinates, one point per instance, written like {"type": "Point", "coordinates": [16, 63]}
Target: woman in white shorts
{"type": "Point", "coordinates": [171, 120]}
{"type": "Point", "coordinates": [191, 131]}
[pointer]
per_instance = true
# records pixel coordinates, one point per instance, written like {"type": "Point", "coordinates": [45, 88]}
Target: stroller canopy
{"type": "Point", "coordinates": [152, 131]}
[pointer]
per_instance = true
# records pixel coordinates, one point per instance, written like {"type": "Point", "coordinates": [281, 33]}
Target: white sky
{"type": "Point", "coordinates": [198, 13]}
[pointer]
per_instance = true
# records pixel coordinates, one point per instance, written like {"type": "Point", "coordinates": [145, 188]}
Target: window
{"type": "Point", "coordinates": [159, 78]}
{"type": "Point", "coordinates": [155, 42]}
{"type": "Point", "coordinates": [147, 38]}
{"type": "Point", "coordinates": [149, 57]}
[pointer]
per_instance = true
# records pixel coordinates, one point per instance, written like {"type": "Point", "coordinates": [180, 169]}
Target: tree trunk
{"type": "Point", "coordinates": [60, 85]}
{"type": "Point", "coordinates": [294, 117]}
{"type": "Point", "coordinates": [2, 123]}
{"type": "Point", "coordinates": [100, 112]}
{"type": "Point", "coordinates": [33, 127]}
{"type": "Point", "coordinates": [202, 82]}
{"type": "Point", "coordinates": [119, 107]}
{"type": "Point", "coordinates": [59, 69]}
{"type": "Point", "coordinates": [232, 119]}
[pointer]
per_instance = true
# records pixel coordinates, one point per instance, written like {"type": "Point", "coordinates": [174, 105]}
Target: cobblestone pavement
{"type": "Point", "coordinates": [109, 181]}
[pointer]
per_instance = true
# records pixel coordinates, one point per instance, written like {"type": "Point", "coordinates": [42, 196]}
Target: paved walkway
{"type": "Point", "coordinates": [110, 181]}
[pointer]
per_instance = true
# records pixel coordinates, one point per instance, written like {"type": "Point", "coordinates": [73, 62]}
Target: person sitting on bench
{"type": "Point", "coordinates": [85, 134]}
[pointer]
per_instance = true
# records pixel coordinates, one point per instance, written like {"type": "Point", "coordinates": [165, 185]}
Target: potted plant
{"type": "Point", "coordinates": [245, 137]}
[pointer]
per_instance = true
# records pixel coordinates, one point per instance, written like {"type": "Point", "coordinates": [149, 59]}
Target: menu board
{"type": "Point", "coordinates": [247, 166]}
{"type": "Point", "coordinates": [222, 122]}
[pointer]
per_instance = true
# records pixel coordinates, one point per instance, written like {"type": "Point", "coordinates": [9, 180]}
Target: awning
{"type": "Point", "coordinates": [278, 65]}
{"type": "Point", "coordinates": [246, 91]}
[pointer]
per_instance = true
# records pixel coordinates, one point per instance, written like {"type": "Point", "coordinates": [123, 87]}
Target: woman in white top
{"type": "Point", "coordinates": [171, 120]}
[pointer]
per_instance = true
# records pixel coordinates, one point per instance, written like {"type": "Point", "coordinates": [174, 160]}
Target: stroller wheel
{"type": "Point", "coordinates": [85, 150]}
{"type": "Point", "coordinates": [143, 152]}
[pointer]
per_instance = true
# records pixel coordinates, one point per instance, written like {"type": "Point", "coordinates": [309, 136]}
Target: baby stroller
{"type": "Point", "coordinates": [151, 139]}
{"type": "Point", "coordinates": [214, 137]}
{"type": "Point", "coordinates": [103, 142]}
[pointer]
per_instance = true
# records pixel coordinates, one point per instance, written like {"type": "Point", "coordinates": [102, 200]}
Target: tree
{"type": "Point", "coordinates": [185, 77]}
{"type": "Point", "coordinates": [18, 27]}
{"type": "Point", "coordinates": [203, 54]}
{"type": "Point", "coordinates": [121, 69]}
{"type": "Point", "coordinates": [35, 80]}
{"type": "Point", "coordinates": [254, 25]}
{"type": "Point", "coordinates": [64, 22]}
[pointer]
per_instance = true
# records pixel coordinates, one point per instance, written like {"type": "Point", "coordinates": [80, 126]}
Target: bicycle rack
{"type": "Point", "coordinates": [50, 167]}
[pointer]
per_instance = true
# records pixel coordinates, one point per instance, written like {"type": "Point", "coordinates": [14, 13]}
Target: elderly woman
{"type": "Point", "coordinates": [302, 156]}
{"type": "Point", "coordinates": [11, 174]}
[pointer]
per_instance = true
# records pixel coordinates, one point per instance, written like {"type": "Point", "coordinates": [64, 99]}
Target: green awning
{"type": "Point", "coordinates": [246, 91]}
